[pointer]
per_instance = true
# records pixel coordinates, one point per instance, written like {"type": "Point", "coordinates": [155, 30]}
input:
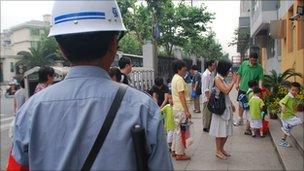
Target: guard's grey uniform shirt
{"type": "Point", "coordinates": [56, 128]}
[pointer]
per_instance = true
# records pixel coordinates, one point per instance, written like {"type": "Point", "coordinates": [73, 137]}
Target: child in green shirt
{"type": "Point", "coordinates": [256, 105]}
{"type": "Point", "coordinates": [169, 123]}
{"type": "Point", "coordinates": [249, 94]}
{"type": "Point", "coordinates": [288, 117]}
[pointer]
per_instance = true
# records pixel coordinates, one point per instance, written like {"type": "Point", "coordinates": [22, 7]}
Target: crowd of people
{"type": "Point", "coordinates": [59, 126]}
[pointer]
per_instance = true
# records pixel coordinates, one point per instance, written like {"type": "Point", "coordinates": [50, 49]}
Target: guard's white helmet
{"type": "Point", "coordinates": [85, 16]}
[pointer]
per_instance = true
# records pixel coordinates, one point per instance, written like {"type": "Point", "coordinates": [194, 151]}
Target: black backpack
{"type": "Point", "coordinates": [216, 105]}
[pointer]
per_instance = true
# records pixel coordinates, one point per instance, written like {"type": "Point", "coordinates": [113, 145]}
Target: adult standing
{"type": "Point", "coordinates": [160, 92]}
{"type": "Point", "coordinates": [250, 70]}
{"type": "Point", "coordinates": [125, 66]}
{"type": "Point", "coordinates": [207, 83]}
{"type": "Point", "coordinates": [19, 100]}
{"type": "Point", "coordinates": [180, 109]}
{"type": "Point", "coordinates": [57, 127]}
{"type": "Point", "coordinates": [46, 78]}
{"type": "Point", "coordinates": [222, 125]}
{"type": "Point", "coordinates": [20, 96]}
{"type": "Point", "coordinates": [196, 88]}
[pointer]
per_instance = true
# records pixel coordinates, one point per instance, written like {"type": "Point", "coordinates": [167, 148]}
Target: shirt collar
{"type": "Point", "coordinates": [249, 64]}
{"type": "Point", "coordinates": [290, 95]}
{"type": "Point", "coordinates": [208, 71]}
{"type": "Point", "coordinates": [87, 71]}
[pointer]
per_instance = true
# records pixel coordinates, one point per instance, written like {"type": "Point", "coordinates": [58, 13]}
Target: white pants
{"type": "Point", "coordinates": [177, 144]}
{"type": "Point", "coordinates": [289, 123]}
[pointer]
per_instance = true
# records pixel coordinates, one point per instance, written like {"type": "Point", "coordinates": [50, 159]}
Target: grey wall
{"type": "Point", "coordinates": [269, 5]}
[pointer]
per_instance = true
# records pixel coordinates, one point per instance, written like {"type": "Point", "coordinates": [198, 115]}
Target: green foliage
{"type": "Point", "coordinates": [205, 47]}
{"type": "Point", "coordinates": [45, 52]}
{"type": "Point", "coordinates": [130, 44]}
{"type": "Point", "coordinates": [274, 80]}
{"type": "Point", "coordinates": [137, 19]}
{"type": "Point", "coordinates": [241, 39]}
{"type": "Point", "coordinates": [180, 25]}
{"type": "Point", "coordinates": [272, 99]}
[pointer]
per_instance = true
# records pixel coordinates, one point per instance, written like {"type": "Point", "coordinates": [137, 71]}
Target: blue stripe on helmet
{"type": "Point", "coordinates": [79, 14]}
{"type": "Point", "coordinates": [79, 18]}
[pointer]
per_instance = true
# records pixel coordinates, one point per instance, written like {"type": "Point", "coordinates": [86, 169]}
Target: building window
{"type": "Point", "coordinates": [271, 48]}
{"type": "Point", "coordinates": [12, 69]}
{"type": "Point", "coordinates": [35, 32]}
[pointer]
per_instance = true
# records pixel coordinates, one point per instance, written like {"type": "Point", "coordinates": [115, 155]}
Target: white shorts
{"type": "Point", "coordinates": [170, 136]}
{"type": "Point", "coordinates": [256, 124]}
{"type": "Point", "coordinates": [289, 123]}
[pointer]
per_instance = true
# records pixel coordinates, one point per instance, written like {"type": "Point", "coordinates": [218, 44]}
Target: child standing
{"type": "Point", "coordinates": [249, 94]}
{"type": "Point", "coordinates": [169, 124]}
{"type": "Point", "coordinates": [288, 117]}
{"type": "Point", "coordinates": [256, 105]}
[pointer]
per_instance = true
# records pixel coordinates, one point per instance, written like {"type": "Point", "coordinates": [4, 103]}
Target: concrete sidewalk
{"type": "Point", "coordinates": [247, 153]}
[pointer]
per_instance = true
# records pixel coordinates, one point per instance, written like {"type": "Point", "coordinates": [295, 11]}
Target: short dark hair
{"type": "Point", "coordinates": [177, 65]}
{"type": "Point", "coordinates": [223, 67]}
{"type": "Point", "coordinates": [123, 61]}
{"type": "Point", "coordinates": [252, 84]}
{"type": "Point", "coordinates": [253, 55]}
{"type": "Point", "coordinates": [44, 72]}
{"type": "Point", "coordinates": [209, 63]}
{"type": "Point", "coordinates": [21, 82]}
{"type": "Point", "coordinates": [158, 81]}
{"type": "Point", "coordinates": [194, 67]}
{"type": "Point", "coordinates": [296, 84]}
{"type": "Point", "coordinates": [85, 47]}
{"type": "Point", "coordinates": [256, 90]}
{"type": "Point", "coordinates": [114, 71]}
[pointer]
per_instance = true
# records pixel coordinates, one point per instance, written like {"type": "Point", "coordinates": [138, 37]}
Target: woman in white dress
{"type": "Point", "coordinates": [221, 125]}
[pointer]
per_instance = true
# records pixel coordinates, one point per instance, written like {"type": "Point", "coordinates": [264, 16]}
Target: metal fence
{"type": "Point", "coordinates": [142, 78]}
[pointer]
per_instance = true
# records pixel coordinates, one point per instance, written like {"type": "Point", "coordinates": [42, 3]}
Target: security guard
{"type": "Point", "coordinates": [56, 128]}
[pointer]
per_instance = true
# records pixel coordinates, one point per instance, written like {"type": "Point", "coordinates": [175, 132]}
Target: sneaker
{"type": "Point", "coordinates": [286, 131]}
{"type": "Point", "coordinates": [284, 143]}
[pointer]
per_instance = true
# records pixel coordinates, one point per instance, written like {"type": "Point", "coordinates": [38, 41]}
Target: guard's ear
{"type": "Point", "coordinates": [113, 44]}
{"type": "Point", "coordinates": [63, 53]}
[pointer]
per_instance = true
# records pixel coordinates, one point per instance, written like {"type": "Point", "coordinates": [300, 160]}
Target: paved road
{"type": "Point", "coordinates": [6, 114]}
{"type": "Point", "coordinates": [5, 140]}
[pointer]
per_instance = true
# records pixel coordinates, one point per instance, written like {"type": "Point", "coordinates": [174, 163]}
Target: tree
{"type": "Point", "coordinates": [241, 39]}
{"type": "Point", "coordinates": [181, 24]}
{"type": "Point", "coordinates": [204, 47]}
{"type": "Point", "coordinates": [130, 44]}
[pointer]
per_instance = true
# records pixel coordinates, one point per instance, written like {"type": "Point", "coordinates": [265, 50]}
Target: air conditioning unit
{"type": "Point", "coordinates": [277, 29]}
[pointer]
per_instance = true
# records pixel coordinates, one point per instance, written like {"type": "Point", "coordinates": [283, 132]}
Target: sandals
{"type": "Point", "coordinates": [226, 154]}
{"type": "Point", "coordinates": [182, 157]}
{"type": "Point", "coordinates": [221, 156]}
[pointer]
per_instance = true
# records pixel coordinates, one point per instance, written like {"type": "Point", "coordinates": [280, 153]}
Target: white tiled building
{"type": "Point", "coordinates": [18, 38]}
